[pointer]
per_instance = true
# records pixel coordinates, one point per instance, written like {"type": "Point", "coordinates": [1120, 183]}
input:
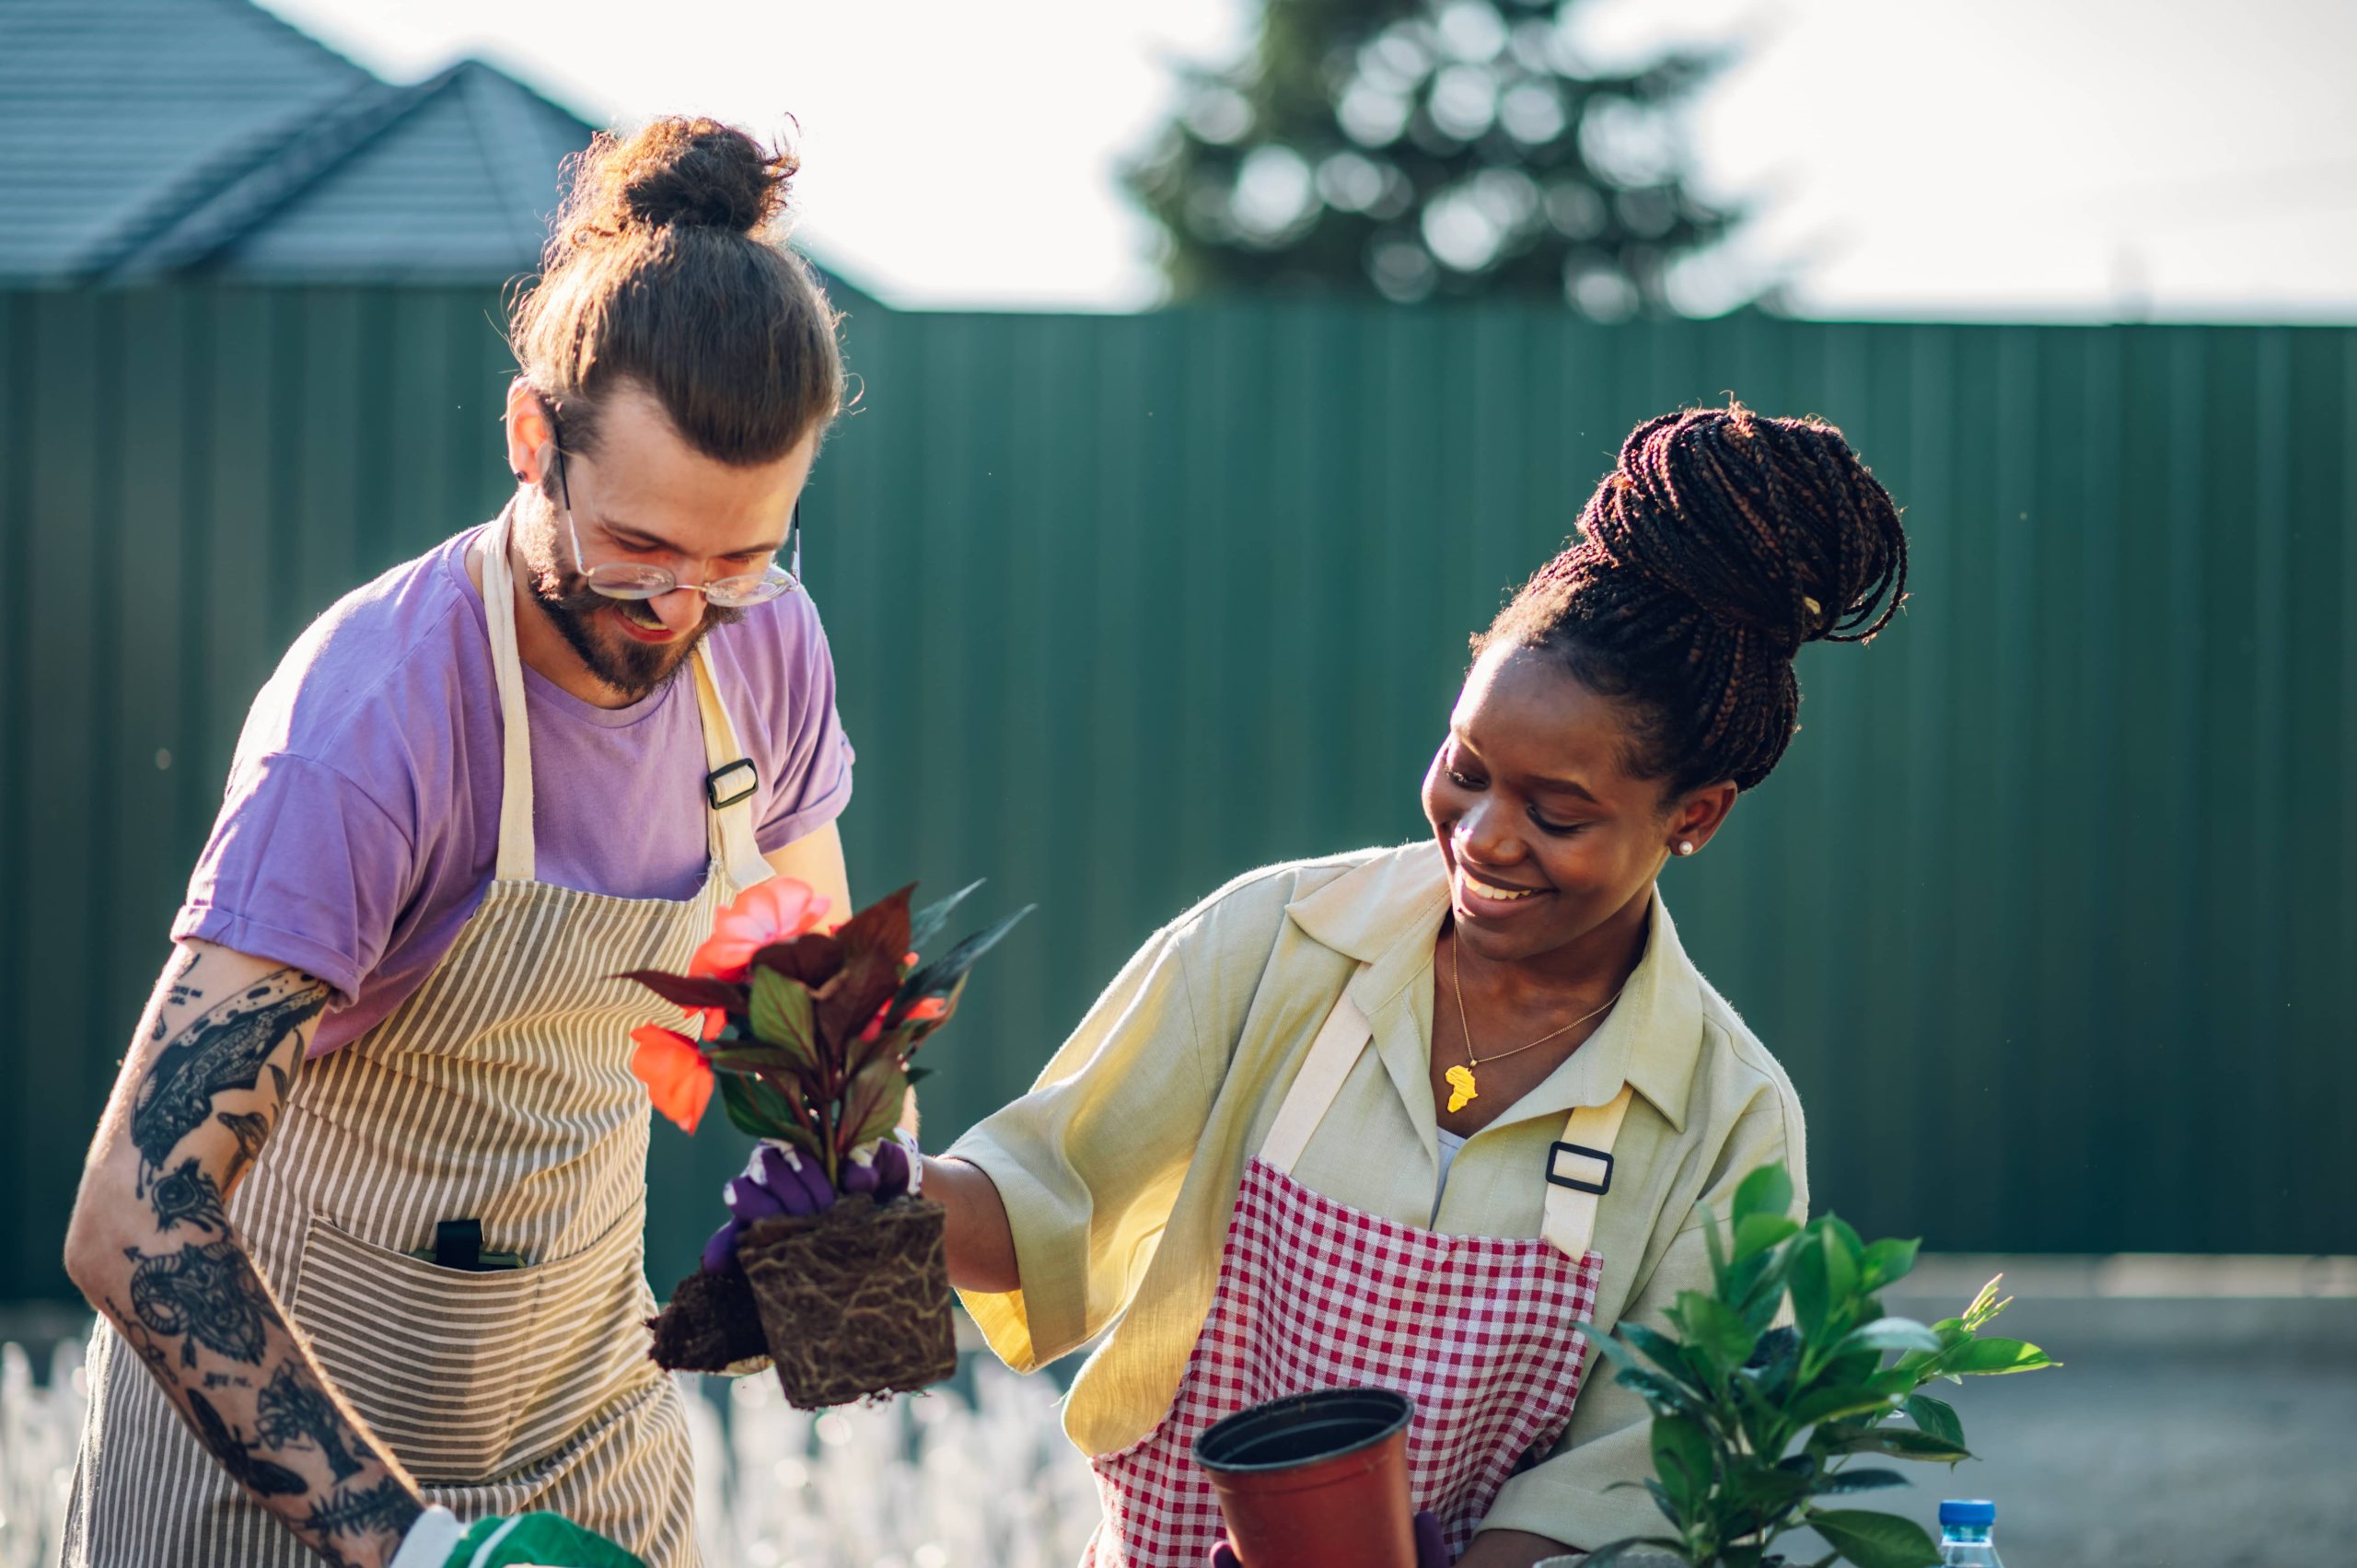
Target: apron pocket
{"type": "Point", "coordinates": [467, 1375]}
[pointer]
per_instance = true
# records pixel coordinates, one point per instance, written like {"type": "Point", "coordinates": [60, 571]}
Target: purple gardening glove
{"type": "Point", "coordinates": [779, 1181]}
{"type": "Point", "coordinates": [1431, 1551]}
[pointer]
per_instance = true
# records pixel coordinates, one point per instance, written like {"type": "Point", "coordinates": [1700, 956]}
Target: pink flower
{"type": "Point", "coordinates": [776, 910]}
{"type": "Point", "coordinates": [678, 1078]}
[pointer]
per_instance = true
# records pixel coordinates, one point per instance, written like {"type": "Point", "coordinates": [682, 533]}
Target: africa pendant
{"type": "Point", "coordinates": [1462, 1092]}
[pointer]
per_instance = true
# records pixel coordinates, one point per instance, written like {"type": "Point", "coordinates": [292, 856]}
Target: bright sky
{"type": "Point", "coordinates": [2027, 159]}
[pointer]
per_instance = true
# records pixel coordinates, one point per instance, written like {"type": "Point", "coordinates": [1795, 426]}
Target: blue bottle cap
{"type": "Point", "coordinates": [1968, 1511]}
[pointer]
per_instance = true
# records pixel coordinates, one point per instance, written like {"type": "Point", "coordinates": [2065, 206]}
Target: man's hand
{"type": "Point", "coordinates": [151, 1246]}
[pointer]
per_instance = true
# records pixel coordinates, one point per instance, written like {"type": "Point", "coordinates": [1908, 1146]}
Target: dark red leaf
{"type": "Point", "coordinates": [690, 991]}
{"type": "Point", "coordinates": [881, 927]}
{"type": "Point", "coordinates": [813, 959]}
{"type": "Point", "coordinates": [849, 1003]}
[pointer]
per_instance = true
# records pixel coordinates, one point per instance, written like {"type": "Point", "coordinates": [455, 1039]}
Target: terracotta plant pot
{"type": "Point", "coordinates": [1316, 1480]}
{"type": "Point", "coordinates": [854, 1301]}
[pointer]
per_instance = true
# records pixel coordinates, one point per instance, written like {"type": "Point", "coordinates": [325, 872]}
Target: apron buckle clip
{"type": "Point", "coordinates": [1573, 1182]}
{"type": "Point", "coordinates": [720, 786]}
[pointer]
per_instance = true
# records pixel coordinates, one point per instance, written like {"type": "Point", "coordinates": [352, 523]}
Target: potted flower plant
{"type": "Point", "coordinates": [829, 1266]}
{"type": "Point", "coordinates": [1755, 1422]}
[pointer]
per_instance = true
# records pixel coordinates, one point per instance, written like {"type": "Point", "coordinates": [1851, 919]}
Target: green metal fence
{"type": "Point", "coordinates": [2049, 911]}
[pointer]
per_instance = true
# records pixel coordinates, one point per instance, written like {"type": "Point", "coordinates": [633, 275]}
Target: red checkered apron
{"type": "Point", "coordinates": [1314, 1294]}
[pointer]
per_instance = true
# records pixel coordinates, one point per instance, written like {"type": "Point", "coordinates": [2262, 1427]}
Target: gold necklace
{"type": "Point", "coordinates": [1462, 1091]}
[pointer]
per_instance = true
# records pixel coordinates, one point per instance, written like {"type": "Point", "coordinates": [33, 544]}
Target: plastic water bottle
{"type": "Point", "coordinates": [1966, 1525]}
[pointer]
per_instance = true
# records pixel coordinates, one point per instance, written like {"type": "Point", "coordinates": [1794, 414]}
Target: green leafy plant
{"type": "Point", "coordinates": [1755, 1423]}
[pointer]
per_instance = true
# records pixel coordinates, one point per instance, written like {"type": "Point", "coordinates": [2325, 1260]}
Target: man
{"type": "Point", "coordinates": [381, 1094]}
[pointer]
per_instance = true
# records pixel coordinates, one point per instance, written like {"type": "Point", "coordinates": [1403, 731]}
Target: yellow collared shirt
{"type": "Point", "coordinates": [1119, 1167]}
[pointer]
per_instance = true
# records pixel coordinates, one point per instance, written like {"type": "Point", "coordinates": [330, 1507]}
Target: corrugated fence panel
{"type": "Point", "coordinates": [2049, 910]}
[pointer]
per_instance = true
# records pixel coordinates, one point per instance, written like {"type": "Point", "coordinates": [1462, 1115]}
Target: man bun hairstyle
{"type": "Point", "coordinates": [667, 266]}
{"type": "Point", "coordinates": [1719, 544]}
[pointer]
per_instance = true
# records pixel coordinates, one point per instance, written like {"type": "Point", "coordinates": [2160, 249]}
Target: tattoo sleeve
{"type": "Point", "coordinates": [152, 1246]}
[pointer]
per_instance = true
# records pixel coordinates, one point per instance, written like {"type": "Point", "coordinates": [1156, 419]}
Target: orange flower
{"type": "Point", "coordinates": [776, 910]}
{"type": "Point", "coordinates": [678, 1078]}
{"type": "Point", "coordinates": [709, 1021]}
{"type": "Point", "coordinates": [924, 1011]}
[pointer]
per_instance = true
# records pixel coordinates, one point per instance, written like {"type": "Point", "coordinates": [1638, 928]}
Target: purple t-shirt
{"type": "Point", "coordinates": [362, 821]}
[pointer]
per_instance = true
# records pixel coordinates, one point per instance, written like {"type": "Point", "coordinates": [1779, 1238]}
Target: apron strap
{"type": "Point", "coordinates": [729, 828]}
{"type": "Point", "coordinates": [1579, 1171]}
{"type": "Point", "coordinates": [1331, 1054]}
{"type": "Point", "coordinates": [729, 778]}
{"type": "Point", "coordinates": [1579, 1165]}
{"type": "Point", "coordinates": [518, 858]}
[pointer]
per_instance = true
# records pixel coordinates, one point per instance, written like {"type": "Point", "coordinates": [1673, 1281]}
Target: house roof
{"type": "Point", "coordinates": [142, 139]}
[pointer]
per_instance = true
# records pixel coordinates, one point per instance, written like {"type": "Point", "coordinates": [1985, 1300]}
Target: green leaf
{"type": "Point", "coordinates": [783, 1016]}
{"type": "Point", "coordinates": [1988, 1358]}
{"type": "Point", "coordinates": [1715, 1331]}
{"type": "Point", "coordinates": [1875, 1540]}
{"type": "Point", "coordinates": [933, 917]}
{"type": "Point", "coordinates": [1612, 1350]}
{"type": "Point", "coordinates": [1757, 1233]}
{"type": "Point", "coordinates": [754, 1106]}
{"type": "Point", "coordinates": [1663, 1353]}
{"type": "Point", "coordinates": [872, 1102]}
{"type": "Point", "coordinates": [1757, 1284]}
{"type": "Point", "coordinates": [1885, 1334]}
{"type": "Point", "coordinates": [1776, 1487]}
{"type": "Point", "coordinates": [1662, 1394]}
{"type": "Point", "coordinates": [1768, 1190]}
{"type": "Point", "coordinates": [1717, 1248]}
{"type": "Point", "coordinates": [736, 1100]}
{"type": "Point", "coordinates": [1900, 1443]}
{"type": "Point", "coordinates": [1859, 1480]}
{"type": "Point", "coordinates": [1612, 1551]}
{"type": "Point", "coordinates": [753, 1056]}
{"type": "Point", "coordinates": [1812, 1290]}
{"type": "Point", "coordinates": [1937, 1417]}
{"type": "Point", "coordinates": [1682, 1458]}
{"type": "Point", "coordinates": [1889, 1260]}
{"type": "Point", "coordinates": [1836, 1404]}
{"type": "Point", "coordinates": [937, 977]}
{"type": "Point", "coordinates": [1843, 1253]}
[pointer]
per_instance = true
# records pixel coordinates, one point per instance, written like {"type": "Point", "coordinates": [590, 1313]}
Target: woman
{"type": "Point", "coordinates": [1218, 1176]}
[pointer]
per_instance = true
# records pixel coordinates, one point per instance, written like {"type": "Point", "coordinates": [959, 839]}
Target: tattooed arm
{"type": "Point", "coordinates": [151, 1247]}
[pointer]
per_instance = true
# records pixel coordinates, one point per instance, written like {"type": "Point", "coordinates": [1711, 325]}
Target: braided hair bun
{"type": "Point", "coordinates": [1719, 544]}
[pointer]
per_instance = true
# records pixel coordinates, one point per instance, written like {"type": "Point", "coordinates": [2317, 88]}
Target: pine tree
{"type": "Point", "coordinates": [1419, 147]}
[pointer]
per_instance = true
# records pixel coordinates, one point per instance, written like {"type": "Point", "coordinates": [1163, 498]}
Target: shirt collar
{"type": "Point", "coordinates": [1385, 913]}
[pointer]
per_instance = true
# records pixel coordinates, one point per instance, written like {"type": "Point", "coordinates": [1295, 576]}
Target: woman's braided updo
{"type": "Point", "coordinates": [1720, 543]}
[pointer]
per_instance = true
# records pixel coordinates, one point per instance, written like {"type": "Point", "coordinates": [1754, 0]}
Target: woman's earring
{"type": "Point", "coordinates": [1686, 847]}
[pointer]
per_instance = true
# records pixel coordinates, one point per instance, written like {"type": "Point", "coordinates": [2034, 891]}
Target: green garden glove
{"type": "Point", "coordinates": [540, 1540]}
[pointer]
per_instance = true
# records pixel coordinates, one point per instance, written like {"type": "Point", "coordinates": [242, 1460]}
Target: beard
{"type": "Point", "coordinates": [564, 596]}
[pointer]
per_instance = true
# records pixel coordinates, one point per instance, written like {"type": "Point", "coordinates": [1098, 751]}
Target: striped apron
{"type": "Point", "coordinates": [500, 1090]}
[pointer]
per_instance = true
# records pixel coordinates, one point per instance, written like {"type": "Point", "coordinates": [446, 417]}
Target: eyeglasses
{"type": "Point", "coordinates": [632, 580]}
